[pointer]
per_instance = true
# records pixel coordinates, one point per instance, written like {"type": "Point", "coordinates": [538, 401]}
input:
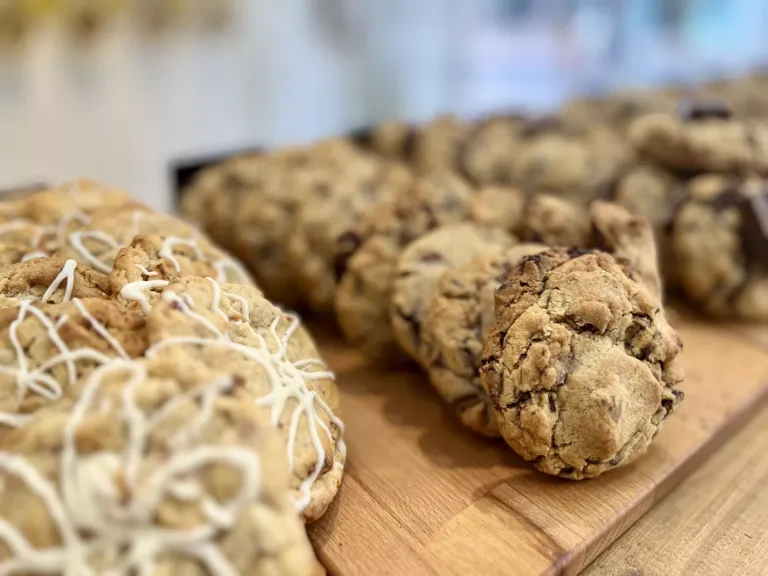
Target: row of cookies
{"type": "Point", "coordinates": [415, 273]}
{"type": "Point", "coordinates": [157, 413]}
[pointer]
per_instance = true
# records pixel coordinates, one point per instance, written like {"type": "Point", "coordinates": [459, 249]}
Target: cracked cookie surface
{"type": "Point", "coordinates": [460, 315]}
{"type": "Point", "coordinates": [581, 365]}
{"type": "Point", "coordinates": [420, 267]}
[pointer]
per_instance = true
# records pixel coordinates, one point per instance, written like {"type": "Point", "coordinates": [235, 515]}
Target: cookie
{"type": "Point", "coordinates": [581, 365]}
{"type": "Point", "coordinates": [420, 267]}
{"type": "Point", "coordinates": [151, 468]}
{"type": "Point", "coordinates": [704, 137]}
{"type": "Point", "coordinates": [266, 220]}
{"type": "Point", "coordinates": [459, 316]}
{"type": "Point", "coordinates": [555, 221]}
{"type": "Point", "coordinates": [98, 242]}
{"type": "Point", "coordinates": [368, 256]}
{"type": "Point", "coordinates": [487, 155]}
{"type": "Point", "coordinates": [313, 245]}
{"type": "Point", "coordinates": [37, 224]}
{"type": "Point", "coordinates": [647, 190]}
{"type": "Point", "coordinates": [630, 240]}
{"type": "Point", "coordinates": [46, 348]}
{"type": "Point", "coordinates": [500, 207]}
{"type": "Point", "coordinates": [50, 280]}
{"type": "Point", "coordinates": [438, 143]}
{"type": "Point", "coordinates": [278, 365]}
{"type": "Point", "coordinates": [616, 110]}
{"type": "Point", "coordinates": [554, 159]}
{"type": "Point", "coordinates": [719, 246]}
{"type": "Point", "coordinates": [393, 140]}
{"type": "Point", "coordinates": [212, 199]}
{"type": "Point", "coordinates": [143, 269]}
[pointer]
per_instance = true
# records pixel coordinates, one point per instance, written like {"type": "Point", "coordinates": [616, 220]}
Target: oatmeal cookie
{"type": "Point", "coordinates": [581, 365]}
{"type": "Point", "coordinates": [704, 137]}
{"type": "Point", "coordinates": [313, 245]}
{"type": "Point", "coordinates": [46, 348]}
{"type": "Point", "coordinates": [155, 468]}
{"type": "Point", "coordinates": [50, 280]}
{"type": "Point", "coordinates": [278, 366]}
{"type": "Point", "coordinates": [37, 224]}
{"type": "Point", "coordinates": [98, 242]}
{"type": "Point", "coordinates": [720, 247]}
{"type": "Point", "coordinates": [460, 315]}
{"type": "Point", "coordinates": [420, 267]}
{"type": "Point", "coordinates": [368, 256]}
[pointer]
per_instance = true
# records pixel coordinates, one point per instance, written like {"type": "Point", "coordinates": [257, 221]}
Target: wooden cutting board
{"type": "Point", "coordinates": [422, 496]}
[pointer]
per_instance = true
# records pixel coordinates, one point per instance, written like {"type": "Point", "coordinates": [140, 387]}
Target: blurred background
{"type": "Point", "coordinates": [117, 89]}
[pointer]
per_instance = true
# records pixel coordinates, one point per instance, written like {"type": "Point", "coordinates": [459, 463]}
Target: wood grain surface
{"type": "Point", "coordinates": [715, 522]}
{"type": "Point", "coordinates": [422, 496]}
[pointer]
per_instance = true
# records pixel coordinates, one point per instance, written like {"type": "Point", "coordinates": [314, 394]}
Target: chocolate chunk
{"type": "Point", "coordinates": [363, 137]}
{"type": "Point", "coordinates": [705, 110]}
{"type": "Point", "coordinates": [409, 145]}
{"type": "Point", "coordinates": [431, 257]}
{"type": "Point", "coordinates": [754, 221]}
{"type": "Point", "coordinates": [578, 252]}
{"type": "Point", "coordinates": [537, 126]}
{"type": "Point", "coordinates": [348, 243]}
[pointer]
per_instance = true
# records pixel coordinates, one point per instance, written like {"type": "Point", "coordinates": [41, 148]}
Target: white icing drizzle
{"type": "Point", "coordinates": [67, 273]}
{"type": "Point", "coordinates": [137, 292]}
{"type": "Point", "coordinates": [146, 272]}
{"type": "Point", "coordinates": [287, 379]}
{"type": "Point", "coordinates": [120, 521]}
{"type": "Point", "coordinates": [34, 254]}
{"type": "Point", "coordinates": [76, 240]}
{"type": "Point", "coordinates": [38, 380]}
{"type": "Point", "coordinates": [166, 251]}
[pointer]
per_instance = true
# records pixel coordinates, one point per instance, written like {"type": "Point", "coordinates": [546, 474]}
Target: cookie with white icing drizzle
{"type": "Point", "coordinates": [233, 326]}
{"type": "Point", "coordinates": [154, 468]}
{"type": "Point", "coordinates": [144, 268]}
{"type": "Point", "coordinates": [46, 348]}
{"type": "Point", "coordinates": [50, 280]}
{"type": "Point", "coordinates": [108, 231]}
{"type": "Point", "coordinates": [37, 225]}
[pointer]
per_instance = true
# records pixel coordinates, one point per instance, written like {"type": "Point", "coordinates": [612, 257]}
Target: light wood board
{"type": "Point", "coordinates": [714, 522]}
{"type": "Point", "coordinates": [422, 496]}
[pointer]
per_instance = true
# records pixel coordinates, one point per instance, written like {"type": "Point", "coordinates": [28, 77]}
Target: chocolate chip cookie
{"type": "Point", "coordinates": [420, 267]}
{"type": "Point", "coordinates": [581, 365]}
{"type": "Point", "coordinates": [487, 155]}
{"type": "Point", "coordinates": [460, 315]}
{"type": "Point", "coordinates": [368, 256]}
{"type": "Point", "coordinates": [438, 143]}
{"type": "Point", "coordinates": [576, 165]}
{"type": "Point", "coordinates": [704, 137]}
{"type": "Point", "coordinates": [313, 246]}
{"type": "Point", "coordinates": [719, 243]}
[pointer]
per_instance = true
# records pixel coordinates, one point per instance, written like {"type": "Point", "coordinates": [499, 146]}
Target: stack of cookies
{"type": "Point", "coordinates": [157, 413]}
